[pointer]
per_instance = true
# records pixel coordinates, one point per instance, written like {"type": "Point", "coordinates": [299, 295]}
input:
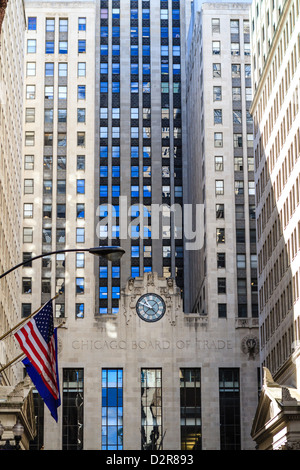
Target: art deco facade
{"type": "Point", "coordinates": [275, 109]}
{"type": "Point", "coordinates": [12, 28]}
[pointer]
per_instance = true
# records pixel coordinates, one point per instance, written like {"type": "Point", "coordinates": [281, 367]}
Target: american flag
{"type": "Point", "coordinates": [38, 341]}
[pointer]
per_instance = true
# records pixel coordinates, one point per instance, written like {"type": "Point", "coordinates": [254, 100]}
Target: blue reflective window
{"type": "Point", "coordinates": [103, 152]}
{"type": "Point", "coordinates": [134, 50]}
{"type": "Point", "coordinates": [81, 92]}
{"type": "Point", "coordinates": [81, 45]}
{"type": "Point", "coordinates": [135, 171]}
{"type": "Point", "coordinates": [116, 68]}
{"type": "Point", "coordinates": [81, 24]}
{"type": "Point", "coordinates": [103, 292]}
{"type": "Point", "coordinates": [49, 69]}
{"type": "Point", "coordinates": [134, 87]}
{"type": "Point", "coordinates": [134, 31]}
{"type": "Point", "coordinates": [115, 49]}
{"type": "Point", "coordinates": [134, 14]}
{"type": "Point", "coordinates": [115, 291]}
{"type": "Point", "coordinates": [135, 231]}
{"type": "Point", "coordinates": [63, 47]}
{"type": "Point", "coordinates": [146, 50]}
{"type": "Point", "coordinates": [164, 32]}
{"type": "Point", "coordinates": [135, 211]}
{"type": "Point", "coordinates": [103, 49]}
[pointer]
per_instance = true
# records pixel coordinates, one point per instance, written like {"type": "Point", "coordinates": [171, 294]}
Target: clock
{"type": "Point", "coordinates": [150, 307]}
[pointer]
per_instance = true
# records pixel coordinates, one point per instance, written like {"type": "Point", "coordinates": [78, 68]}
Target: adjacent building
{"type": "Point", "coordinates": [275, 65]}
{"type": "Point", "coordinates": [12, 26]}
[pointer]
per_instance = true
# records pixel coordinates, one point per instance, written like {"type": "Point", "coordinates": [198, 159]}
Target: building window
{"type": "Point", "coordinates": [215, 25]}
{"type": "Point", "coordinates": [190, 409]}
{"type": "Point", "coordinates": [220, 234]}
{"type": "Point", "coordinates": [29, 138]}
{"type": "Point", "coordinates": [151, 409]}
{"type": "Point", "coordinates": [30, 69]}
{"type": "Point", "coordinates": [112, 409]}
{"type": "Point", "coordinates": [80, 236]}
{"type": "Point", "coordinates": [218, 139]}
{"type": "Point", "coordinates": [72, 401]}
{"type": "Point", "coordinates": [229, 396]}
{"type": "Point", "coordinates": [221, 282]}
{"type": "Point", "coordinates": [49, 47]}
{"type": "Point", "coordinates": [81, 92]}
{"type": "Point", "coordinates": [217, 116]}
{"type": "Point", "coordinates": [26, 285]}
{"type": "Point", "coordinates": [217, 93]}
{"type": "Point", "coordinates": [63, 25]}
{"type": "Point", "coordinates": [81, 69]}
{"type": "Point", "coordinates": [30, 92]}
{"type": "Point", "coordinates": [29, 162]}
{"type": "Point", "coordinates": [28, 211]}
{"type": "Point", "coordinates": [221, 260]}
{"type": "Point", "coordinates": [81, 46]}
{"type": "Point", "coordinates": [219, 185]}
{"type": "Point", "coordinates": [216, 47]}
{"type": "Point", "coordinates": [63, 47]}
{"type": "Point", "coordinates": [27, 235]}
{"type": "Point", "coordinates": [220, 211]}
{"type": "Point", "coordinates": [50, 25]}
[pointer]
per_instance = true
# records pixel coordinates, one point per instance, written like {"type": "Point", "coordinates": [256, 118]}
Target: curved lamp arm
{"type": "Point", "coordinates": [111, 253]}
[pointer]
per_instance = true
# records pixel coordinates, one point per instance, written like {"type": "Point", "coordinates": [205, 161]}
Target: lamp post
{"type": "Point", "coordinates": [17, 430]}
{"type": "Point", "coordinates": [111, 253]}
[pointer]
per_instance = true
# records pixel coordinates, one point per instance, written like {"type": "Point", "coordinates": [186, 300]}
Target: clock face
{"type": "Point", "coordinates": [150, 307]}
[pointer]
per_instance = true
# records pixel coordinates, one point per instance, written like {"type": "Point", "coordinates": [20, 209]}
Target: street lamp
{"type": "Point", "coordinates": [17, 430]}
{"type": "Point", "coordinates": [111, 253]}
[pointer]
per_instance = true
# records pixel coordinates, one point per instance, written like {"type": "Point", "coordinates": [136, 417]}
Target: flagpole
{"type": "Point", "coordinates": [27, 318]}
{"type": "Point", "coordinates": [20, 355]}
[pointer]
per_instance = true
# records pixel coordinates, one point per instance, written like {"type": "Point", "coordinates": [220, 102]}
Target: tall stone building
{"type": "Point", "coordinates": [275, 109]}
